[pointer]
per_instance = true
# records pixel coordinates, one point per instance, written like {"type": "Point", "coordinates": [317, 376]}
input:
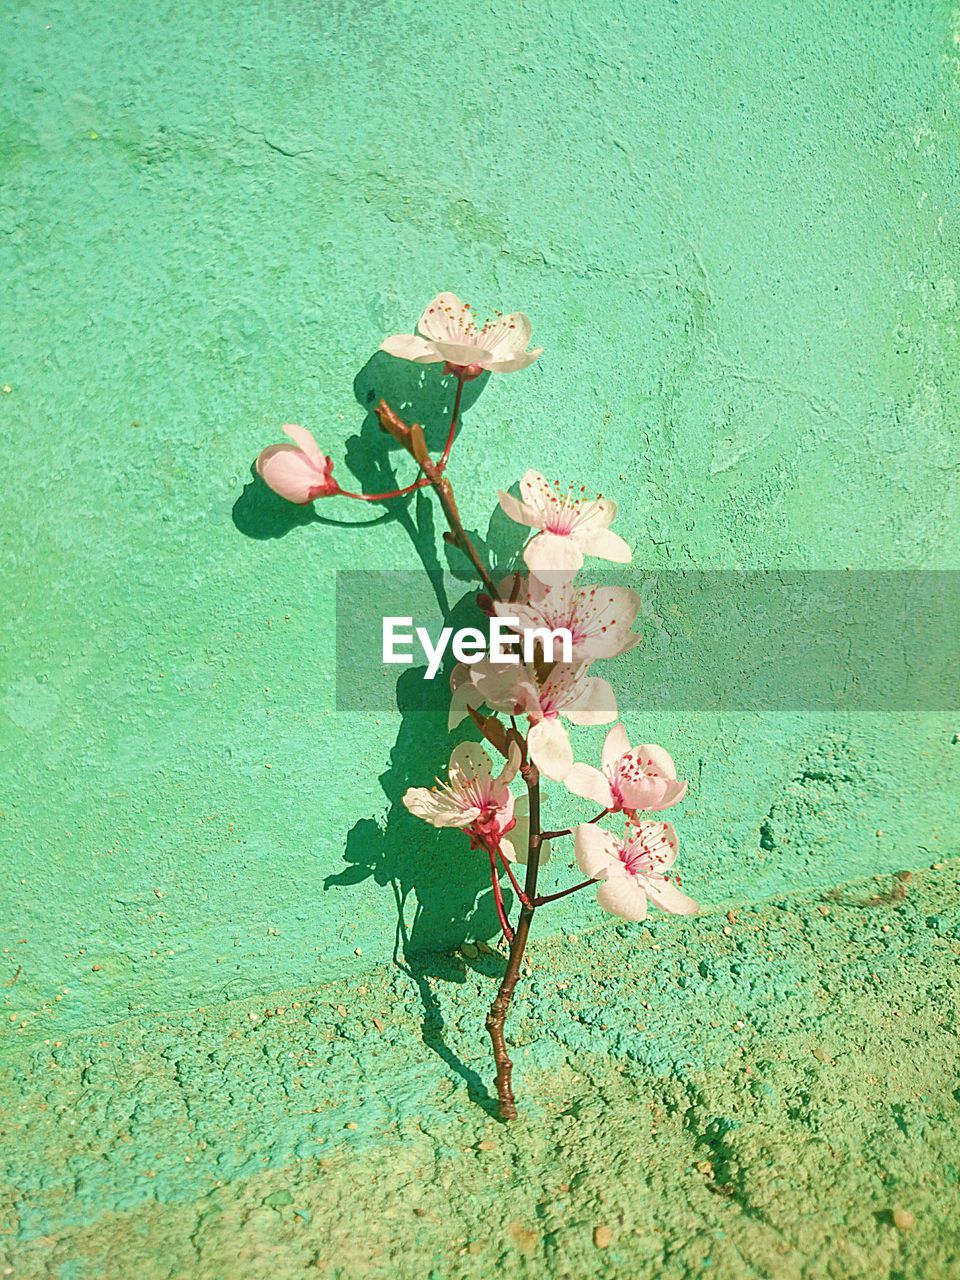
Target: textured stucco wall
{"type": "Point", "coordinates": [735, 230]}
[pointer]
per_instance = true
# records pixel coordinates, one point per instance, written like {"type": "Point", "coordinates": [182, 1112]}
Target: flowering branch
{"type": "Point", "coordinates": [411, 437]}
{"type": "Point", "coordinates": [537, 695]}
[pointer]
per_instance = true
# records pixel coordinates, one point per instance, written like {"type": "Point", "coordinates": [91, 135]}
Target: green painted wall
{"type": "Point", "coordinates": [735, 229]}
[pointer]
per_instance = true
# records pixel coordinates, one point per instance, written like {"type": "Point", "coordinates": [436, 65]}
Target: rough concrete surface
{"type": "Point", "coordinates": [734, 228]}
{"type": "Point", "coordinates": [769, 1095]}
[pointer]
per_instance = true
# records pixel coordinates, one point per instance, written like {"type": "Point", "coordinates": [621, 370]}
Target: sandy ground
{"type": "Point", "coordinates": [769, 1094]}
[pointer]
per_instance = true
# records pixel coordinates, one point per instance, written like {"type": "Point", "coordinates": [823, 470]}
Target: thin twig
{"type": "Point", "coordinates": [568, 831]}
{"type": "Point", "coordinates": [444, 491]}
{"type": "Point", "coordinates": [513, 879]}
{"type": "Point", "coordinates": [552, 897]}
{"type": "Point", "coordinates": [433, 475]}
{"type": "Point", "coordinates": [453, 424]}
{"type": "Point", "coordinates": [498, 898]}
{"type": "Point", "coordinates": [388, 494]}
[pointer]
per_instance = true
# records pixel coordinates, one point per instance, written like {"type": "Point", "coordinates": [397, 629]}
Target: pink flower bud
{"type": "Point", "coordinates": [298, 472]}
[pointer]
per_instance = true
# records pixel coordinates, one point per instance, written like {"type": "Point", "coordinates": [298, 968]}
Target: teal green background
{"type": "Point", "coordinates": [735, 231]}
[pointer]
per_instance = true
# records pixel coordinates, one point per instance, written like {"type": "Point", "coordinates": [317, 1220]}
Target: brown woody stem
{"type": "Point", "coordinates": [411, 437]}
{"type": "Point", "coordinates": [497, 1015]}
{"type": "Point", "coordinates": [433, 472]}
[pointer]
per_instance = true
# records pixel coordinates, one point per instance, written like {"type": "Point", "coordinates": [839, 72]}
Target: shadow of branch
{"type": "Point", "coordinates": [448, 886]}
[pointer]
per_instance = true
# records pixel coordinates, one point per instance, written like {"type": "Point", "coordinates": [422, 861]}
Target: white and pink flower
{"type": "Point", "coordinates": [471, 799]}
{"type": "Point", "coordinates": [298, 472]}
{"type": "Point", "coordinates": [631, 778]}
{"type": "Point", "coordinates": [598, 618]}
{"type": "Point", "coordinates": [513, 689]}
{"type": "Point", "coordinates": [448, 332]}
{"type": "Point", "coordinates": [570, 526]}
{"type": "Point", "coordinates": [632, 870]}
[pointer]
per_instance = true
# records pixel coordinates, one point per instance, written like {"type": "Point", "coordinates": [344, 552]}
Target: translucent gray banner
{"type": "Point", "coordinates": [712, 641]}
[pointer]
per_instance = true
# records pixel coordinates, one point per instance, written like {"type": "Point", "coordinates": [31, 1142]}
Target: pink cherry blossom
{"type": "Point", "coordinates": [298, 472]}
{"type": "Point", "coordinates": [570, 526]}
{"type": "Point", "coordinates": [450, 334]}
{"type": "Point", "coordinates": [598, 618]}
{"type": "Point", "coordinates": [502, 686]}
{"type": "Point", "coordinates": [513, 689]}
{"type": "Point", "coordinates": [632, 778]}
{"type": "Point", "coordinates": [472, 798]}
{"type": "Point", "coordinates": [632, 869]}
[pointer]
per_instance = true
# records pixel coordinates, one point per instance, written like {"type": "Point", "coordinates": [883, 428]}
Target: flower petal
{"type": "Point", "coordinates": [407, 346]}
{"type": "Point", "coordinates": [661, 760]}
{"type": "Point", "coordinates": [606, 544]}
{"type": "Point", "coordinates": [665, 894]}
{"type": "Point", "coordinates": [507, 848]}
{"type": "Point", "coordinates": [464, 695]}
{"type": "Point", "coordinates": [459, 352]}
{"type": "Point", "coordinates": [616, 744]}
{"type": "Point", "coordinates": [596, 703]}
{"type": "Point", "coordinates": [307, 444]}
{"type": "Point", "coordinates": [511, 765]}
{"type": "Point", "coordinates": [520, 361]}
{"type": "Point", "coordinates": [535, 491]}
{"type": "Point", "coordinates": [518, 511]}
{"type": "Point", "coordinates": [607, 615]}
{"type": "Point", "coordinates": [515, 844]}
{"type": "Point", "coordinates": [659, 839]}
{"type": "Point", "coordinates": [468, 760]}
{"type": "Point", "coordinates": [550, 748]}
{"type": "Point", "coordinates": [505, 686]}
{"type": "Point", "coordinates": [441, 317]}
{"type": "Point", "coordinates": [595, 850]}
{"type": "Point", "coordinates": [289, 472]}
{"type": "Point", "coordinates": [509, 336]}
{"type": "Point", "coordinates": [623, 896]}
{"type": "Point", "coordinates": [584, 780]}
{"type": "Point", "coordinates": [553, 553]}
{"type": "Point", "coordinates": [460, 703]}
{"type": "Point", "coordinates": [652, 794]}
{"type": "Point", "coordinates": [674, 793]}
{"type": "Point", "coordinates": [438, 808]}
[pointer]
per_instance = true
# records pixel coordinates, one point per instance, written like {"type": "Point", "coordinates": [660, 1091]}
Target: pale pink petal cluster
{"type": "Point", "coordinates": [472, 798]}
{"type": "Point", "coordinates": [631, 778]}
{"type": "Point", "coordinates": [570, 526]}
{"type": "Point", "coordinates": [632, 869]}
{"type": "Point", "coordinates": [514, 689]}
{"type": "Point", "coordinates": [298, 472]}
{"type": "Point", "coordinates": [599, 619]}
{"type": "Point", "coordinates": [449, 333]}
